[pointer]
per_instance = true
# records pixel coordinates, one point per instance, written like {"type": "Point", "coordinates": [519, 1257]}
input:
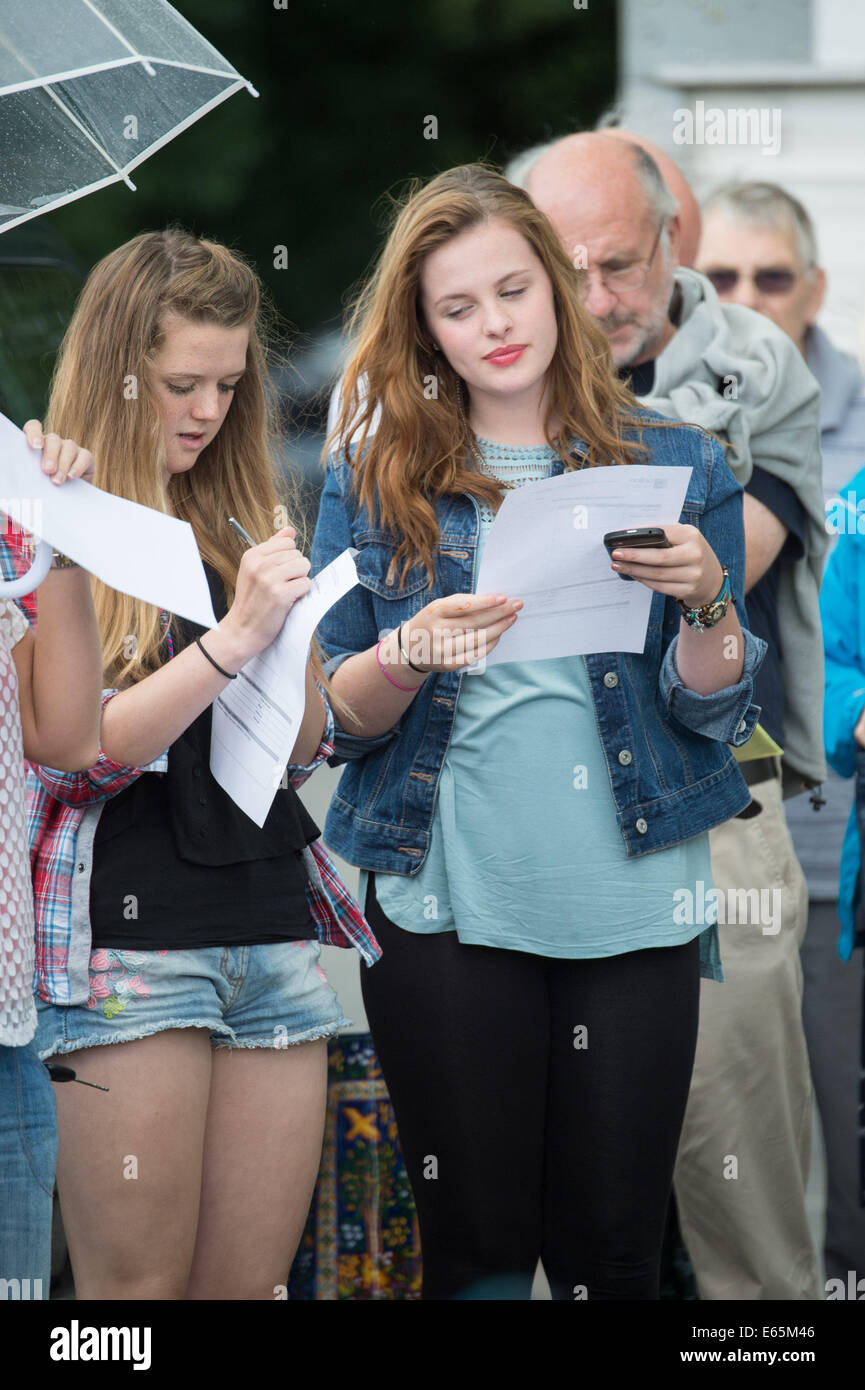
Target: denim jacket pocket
{"type": "Point", "coordinates": [378, 571]}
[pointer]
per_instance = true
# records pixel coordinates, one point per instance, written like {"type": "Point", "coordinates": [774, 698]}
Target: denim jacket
{"type": "Point", "coordinates": [671, 772]}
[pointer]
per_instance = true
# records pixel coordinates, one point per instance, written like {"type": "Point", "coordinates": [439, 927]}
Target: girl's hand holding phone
{"type": "Point", "coordinates": [61, 458]}
{"type": "Point", "coordinates": [689, 569]}
{"type": "Point", "coordinates": [457, 630]}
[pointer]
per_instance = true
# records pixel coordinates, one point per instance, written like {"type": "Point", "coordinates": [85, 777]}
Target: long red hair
{"type": "Point", "coordinates": [420, 448]}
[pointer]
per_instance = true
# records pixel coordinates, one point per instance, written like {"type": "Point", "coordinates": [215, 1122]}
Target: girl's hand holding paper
{"type": "Point", "coordinates": [62, 458]}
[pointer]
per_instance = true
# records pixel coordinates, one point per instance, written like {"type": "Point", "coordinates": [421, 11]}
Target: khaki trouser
{"type": "Point", "coordinates": [742, 1165]}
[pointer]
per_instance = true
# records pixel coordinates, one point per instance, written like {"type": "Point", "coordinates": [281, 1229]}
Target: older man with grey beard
{"type": "Point", "coordinates": [745, 1148]}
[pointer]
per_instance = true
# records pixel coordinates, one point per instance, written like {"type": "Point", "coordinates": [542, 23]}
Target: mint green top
{"type": "Point", "coordinates": [526, 852]}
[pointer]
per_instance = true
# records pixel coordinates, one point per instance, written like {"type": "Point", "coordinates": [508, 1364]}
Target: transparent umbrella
{"type": "Point", "coordinates": [89, 89]}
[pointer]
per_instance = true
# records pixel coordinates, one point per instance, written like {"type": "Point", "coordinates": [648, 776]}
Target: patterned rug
{"type": "Point", "coordinates": [361, 1239]}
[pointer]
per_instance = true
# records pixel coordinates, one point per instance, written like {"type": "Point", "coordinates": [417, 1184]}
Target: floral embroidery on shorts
{"type": "Point", "coordinates": [112, 981]}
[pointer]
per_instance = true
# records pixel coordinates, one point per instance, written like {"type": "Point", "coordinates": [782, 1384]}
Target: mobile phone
{"type": "Point", "coordinates": [636, 537]}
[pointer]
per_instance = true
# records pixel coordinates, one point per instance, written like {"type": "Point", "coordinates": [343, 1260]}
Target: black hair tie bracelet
{"type": "Point", "coordinates": [403, 653]}
{"type": "Point", "coordinates": [219, 668]}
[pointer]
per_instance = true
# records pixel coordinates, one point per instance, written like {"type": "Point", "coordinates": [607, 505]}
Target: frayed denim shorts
{"type": "Point", "coordinates": [245, 996]}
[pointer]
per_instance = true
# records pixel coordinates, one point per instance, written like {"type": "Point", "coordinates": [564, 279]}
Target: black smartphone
{"type": "Point", "coordinates": [651, 537]}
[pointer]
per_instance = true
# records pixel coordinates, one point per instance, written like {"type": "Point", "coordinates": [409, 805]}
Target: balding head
{"type": "Point", "coordinates": [613, 212]}
{"type": "Point", "coordinates": [690, 220]}
{"type": "Point", "coordinates": [589, 165]}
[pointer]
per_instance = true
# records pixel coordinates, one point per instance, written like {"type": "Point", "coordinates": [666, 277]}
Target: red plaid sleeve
{"type": "Point", "coordinates": [99, 782]}
{"type": "Point", "coordinates": [15, 560]}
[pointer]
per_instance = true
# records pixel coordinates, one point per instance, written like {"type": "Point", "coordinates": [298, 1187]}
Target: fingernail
{"type": "Point", "coordinates": [49, 466]}
{"type": "Point", "coordinates": [37, 442]}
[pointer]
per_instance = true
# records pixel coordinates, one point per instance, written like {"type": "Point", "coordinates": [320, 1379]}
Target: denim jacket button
{"type": "Point", "coordinates": [742, 727]}
{"type": "Point", "coordinates": [642, 827]}
{"type": "Point", "coordinates": [625, 757]}
{"type": "Point", "coordinates": [611, 680]}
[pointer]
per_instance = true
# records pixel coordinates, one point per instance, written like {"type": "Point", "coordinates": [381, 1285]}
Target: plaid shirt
{"type": "Point", "coordinates": [58, 801]}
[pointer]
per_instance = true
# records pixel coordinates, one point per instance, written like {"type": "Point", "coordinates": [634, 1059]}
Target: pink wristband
{"type": "Point", "coordinates": [407, 688]}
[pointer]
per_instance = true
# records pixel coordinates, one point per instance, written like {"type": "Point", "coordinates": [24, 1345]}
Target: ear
{"type": "Point", "coordinates": [816, 296]}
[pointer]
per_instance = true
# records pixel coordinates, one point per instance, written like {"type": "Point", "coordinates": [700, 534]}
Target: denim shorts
{"type": "Point", "coordinates": [245, 996]}
{"type": "Point", "coordinates": [28, 1158]}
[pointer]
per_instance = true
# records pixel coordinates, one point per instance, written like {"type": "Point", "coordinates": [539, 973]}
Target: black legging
{"type": "Point", "coordinates": [518, 1143]}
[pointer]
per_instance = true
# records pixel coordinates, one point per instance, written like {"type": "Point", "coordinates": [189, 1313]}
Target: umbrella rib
{"type": "Point", "coordinates": [227, 72]}
{"type": "Point", "coordinates": [86, 133]}
{"type": "Point", "coordinates": [120, 37]}
{"type": "Point", "coordinates": [47, 79]}
{"type": "Point", "coordinates": [61, 202]}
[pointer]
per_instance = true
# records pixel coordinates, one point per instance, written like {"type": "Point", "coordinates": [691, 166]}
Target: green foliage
{"type": "Point", "coordinates": [344, 91]}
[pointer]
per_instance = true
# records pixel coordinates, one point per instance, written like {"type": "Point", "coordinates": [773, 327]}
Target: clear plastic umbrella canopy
{"type": "Point", "coordinates": [89, 89]}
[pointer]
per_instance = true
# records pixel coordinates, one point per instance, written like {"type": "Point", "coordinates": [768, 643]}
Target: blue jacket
{"type": "Point", "coordinates": [842, 609]}
{"type": "Point", "coordinates": [671, 772]}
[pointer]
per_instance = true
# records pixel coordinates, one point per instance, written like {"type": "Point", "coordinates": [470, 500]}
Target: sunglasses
{"type": "Point", "coordinates": [767, 281]}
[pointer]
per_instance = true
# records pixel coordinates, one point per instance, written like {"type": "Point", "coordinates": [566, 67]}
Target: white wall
{"type": "Point", "coordinates": [815, 77]}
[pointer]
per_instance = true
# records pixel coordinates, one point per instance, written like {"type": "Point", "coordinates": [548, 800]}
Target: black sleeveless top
{"type": "Point", "coordinates": [178, 865]}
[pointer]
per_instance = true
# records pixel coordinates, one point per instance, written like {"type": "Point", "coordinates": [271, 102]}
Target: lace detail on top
{"type": "Point", "coordinates": [17, 1009]}
{"type": "Point", "coordinates": [512, 465]}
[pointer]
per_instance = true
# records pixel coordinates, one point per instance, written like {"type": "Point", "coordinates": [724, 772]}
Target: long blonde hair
{"type": "Point", "coordinates": [418, 449]}
{"type": "Point", "coordinates": [102, 395]}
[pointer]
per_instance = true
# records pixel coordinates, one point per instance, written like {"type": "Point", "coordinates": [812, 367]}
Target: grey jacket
{"type": "Point", "coordinates": [735, 373]}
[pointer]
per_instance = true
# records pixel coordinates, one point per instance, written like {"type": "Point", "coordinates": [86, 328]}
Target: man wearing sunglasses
{"type": "Point", "coordinates": [759, 249]}
{"type": "Point", "coordinates": [744, 1153]}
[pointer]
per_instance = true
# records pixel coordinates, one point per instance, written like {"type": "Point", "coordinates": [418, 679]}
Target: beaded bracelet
{"type": "Point", "coordinates": [165, 618]}
{"type": "Point", "coordinates": [407, 688]}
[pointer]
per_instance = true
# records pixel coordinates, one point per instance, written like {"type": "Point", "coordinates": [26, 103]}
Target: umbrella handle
{"type": "Point", "coordinates": [17, 588]}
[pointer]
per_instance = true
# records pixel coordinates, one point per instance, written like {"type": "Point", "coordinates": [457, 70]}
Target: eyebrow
{"type": "Point", "coordinates": [620, 258]}
{"type": "Point", "coordinates": [464, 294]}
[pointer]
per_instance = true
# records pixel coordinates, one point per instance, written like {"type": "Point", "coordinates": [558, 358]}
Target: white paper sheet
{"type": "Point", "coordinates": [546, 547]}
{"type": "Point", "coordinates": [257, 717]}
{"type": "Point", "coordinates": [132, 548]}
